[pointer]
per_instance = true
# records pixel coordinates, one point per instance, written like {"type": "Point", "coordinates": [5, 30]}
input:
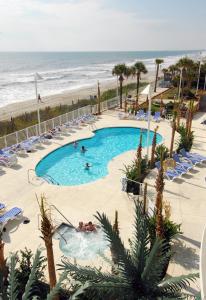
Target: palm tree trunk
{"type": "Point", "coordinates": [51, 265]}
{"type": "Point", "coordinates": [120, 92]}
{"type": "Point", "coordinates": [159, 217]}
{"type": "Point", "coordinates": [157, 72]}
{"type": "Point", "coordinates": [138, 79]}
{"type": "Point", "coordinates": [2, 259]}
{"type": "Point", "coordinates": [154, 142]}
{"type": "Point", "coordinates": [172, 137]}
{"type": "Point", "coordinates": [158, 205]}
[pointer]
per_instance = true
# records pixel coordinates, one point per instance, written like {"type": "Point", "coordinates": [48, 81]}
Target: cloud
{"type": "Point", "coordinates": [71, 25]}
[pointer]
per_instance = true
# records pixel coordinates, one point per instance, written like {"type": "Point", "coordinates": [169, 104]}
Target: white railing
{"type": "Point", "coordinates": [24, 134]}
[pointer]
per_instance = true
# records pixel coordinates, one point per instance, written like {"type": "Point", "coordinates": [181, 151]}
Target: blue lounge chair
{"type": "Point", "coordinates": [196, 155]}
{"type": "Point", "coordinates": [10, 214]}
{"type": "Point", "coordinates": [2, 206]}
{"type": "Point", "coordinates": [140, 115]}
{"type": "Point", "coordinates": [157, 116]}
{"type": "Point", "coordinates": [146, 116]}
{"type": "Point", "coordinates": [194, 160]}
{"type": "Point", "coordinates": [170, 174]}
{"type": "Point", "coordinates": [184, 164]}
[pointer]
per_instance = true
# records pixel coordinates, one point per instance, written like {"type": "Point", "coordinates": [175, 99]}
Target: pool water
{"type": "Point", "coordinates": [81, 245]}
{"type": "Point", "coordinates": [66, 165]}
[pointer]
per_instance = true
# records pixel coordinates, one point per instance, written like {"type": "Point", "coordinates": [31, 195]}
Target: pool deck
{"type": "Point", "coordinates": [79, 203]}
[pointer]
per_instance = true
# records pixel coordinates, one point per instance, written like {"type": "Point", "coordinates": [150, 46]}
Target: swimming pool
{"type": "Point", "coordinates": [66, 165]}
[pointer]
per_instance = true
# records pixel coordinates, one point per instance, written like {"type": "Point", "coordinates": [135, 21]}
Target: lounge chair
{"type": "Point", "coordinates": [170, 174]}
{"type": "Point", "coordinates": [196, 155]}
{"type": "Point", "coordinates": [6, 162]}
{"type": "Point", "coordinates": [157, 116]}
{"type": "Point", "coordinates": [2, 206]}
{"type": "Point", "coordinates": [10, 215]}
{"type": "Point", "coordinates": [140, 115]}
{"type": "Point", "coordinates": [193, 159]}
{"type": "Point", "coordinates": [184, 164]}
{"type": "Point", "coordinates": [11, 157]}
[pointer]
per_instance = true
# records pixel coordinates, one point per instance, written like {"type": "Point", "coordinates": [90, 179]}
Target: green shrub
{"type": "Point", "coordinates": [170, 229]}
{"type": "Point", "coordinates": [186, 139]}
{"type": "Point", "coordinates": [132, 172]}
{"type": "Point", "coordinates": [161, 151]}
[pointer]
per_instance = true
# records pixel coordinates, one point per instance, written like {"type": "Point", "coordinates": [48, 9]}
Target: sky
{"type": "Point", "coordinates": [102, 25]}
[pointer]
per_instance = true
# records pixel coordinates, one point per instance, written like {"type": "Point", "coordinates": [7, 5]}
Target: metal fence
{"type": "Point", "coordinates": [24, 134]}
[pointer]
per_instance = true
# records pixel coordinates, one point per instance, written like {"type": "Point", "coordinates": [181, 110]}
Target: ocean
{"type": "Point", "coordinates": [65, 71]}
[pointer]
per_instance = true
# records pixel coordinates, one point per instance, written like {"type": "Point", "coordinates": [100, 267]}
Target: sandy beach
{"type": "Point", "coordinates": [20, 107]}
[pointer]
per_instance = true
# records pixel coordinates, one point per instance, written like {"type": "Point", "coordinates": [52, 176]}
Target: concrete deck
{"type": "Point", "coordinates": [186, 195]}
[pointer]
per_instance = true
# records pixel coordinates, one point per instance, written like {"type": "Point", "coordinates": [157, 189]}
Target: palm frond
{"type": "Point", "coordinates": [140, 248]}
{"type": "Point", "coordinates": [84, 274]}
{"type": "Point", "coordinates": [81, 291]}
{"type": "Point", "coordinates": [32, 277]}
{"type": "Point", "coordinates": [12, 290]}
{"type": "Point", "coordinates": [57, 287]}
{"type": "Point", "coordinates": [123, 256]}
{"type": "Point", "coordinates": [176, 284]}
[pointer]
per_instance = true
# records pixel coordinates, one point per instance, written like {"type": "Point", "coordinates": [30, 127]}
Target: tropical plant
{"type": "Point", "coordinates": [2, 258]}
{"type": "Point", "coordinates": [24, 266]}
{"type": "Point", "coordinates": [154, 143]}
{"type": "Point", "coordinates": [158, 62]}
{"type": "Point", "coordinates": [140, 268]}
{"type": "Point", "coordinates": [189, 69]}
{"type": "Point", "coordinates": [10, 289]}
{"type": "Point", "coordinates": [116, 229]}
{"type": "Point", "coordinates": [159, 185]}
{"type": "Point", "coordinates": [161, 151]}
{"type": "Point", "coordinates": [171, 229]}
{"type": "Point", "coordinates": [47, 229]}
{"type": "Point", "coordinates": [186, 138]}
{"type": "Point", "coordinates": [173, 135]}
{"type": "Point", "coordinates": [138, 69]}
{"type": "Point", "coordinates": [120, 71]}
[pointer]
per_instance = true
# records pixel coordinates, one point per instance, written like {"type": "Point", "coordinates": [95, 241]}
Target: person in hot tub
{"type": "Point", "coordinates": [90, 227]}
{"type": "Point", "coordinates": [81, 227]}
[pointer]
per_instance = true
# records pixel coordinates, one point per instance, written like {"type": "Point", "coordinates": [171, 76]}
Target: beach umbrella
{"type": "Point", "coordinates": [98, 98]}
{"type": "Point", "coordinates": [38, 98]}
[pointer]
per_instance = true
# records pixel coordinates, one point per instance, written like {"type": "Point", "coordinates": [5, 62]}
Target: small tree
{"type": "Point", "coordinates": [120, 70]}
{"type": "Point", "coordinates": [47, 230]}
{"type": "Point", "coordinates": [158, 62]}
{"type": "Point", "coordinates": [158, 204]}
{"type": "Point", "coordinates": [116, 229]}
{"type": "Point", "coordinates": [173, 135]}
{"type": "Point", "coordinates": [154, 143]}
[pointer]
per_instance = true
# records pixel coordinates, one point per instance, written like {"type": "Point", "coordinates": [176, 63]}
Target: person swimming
{"type": "Point", "coordinates": [75, 144]}
{"type": "Point", "coordinates": [83, 149]}
{"type": "Point", "coordinates": [87, 166]}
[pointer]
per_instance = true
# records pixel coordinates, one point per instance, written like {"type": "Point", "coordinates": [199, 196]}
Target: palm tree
{"type": "Point", "coordinates": [140, 268]}
{"type": "Point", "coordinates": [98, 98]}
{"type": "Point", "coordinates": [173, 69]}
{"type": "Point", "coordinates": [189, 70]}
{"type": "Point", "coordinates": [120, 70]}
{"type": "Point", "coordinates": [173, 135]}
{"type": "Point", "coordinates": [2, 258]}
{"type": "Point", "coordinates": [158, 62]}
{"type": "Point", "coordinates": [138, 69]}
{"type": "Point", "coordinates": [158, 204]}
{"type": "Point", "coordinates": [154, 143]}
{"type": "Point", "coordinates": [47, 230]}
